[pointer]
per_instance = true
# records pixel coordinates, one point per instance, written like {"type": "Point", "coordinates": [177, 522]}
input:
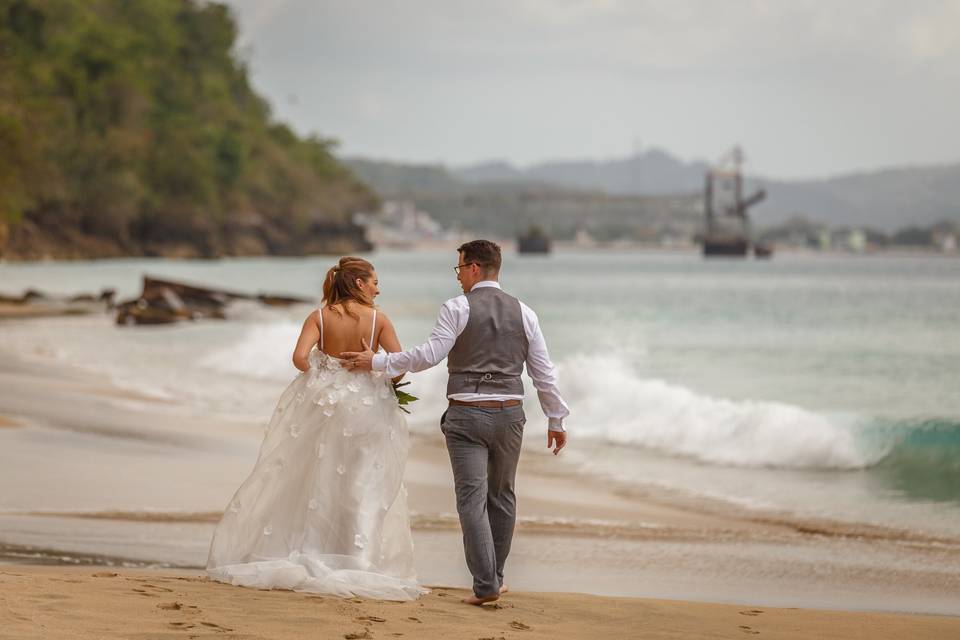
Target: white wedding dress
{"type": "Point", "coordinates": [324, 510]}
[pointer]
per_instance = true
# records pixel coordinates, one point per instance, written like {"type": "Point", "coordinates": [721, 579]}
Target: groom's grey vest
{"type": "Point", "coordinates": [488, 356]}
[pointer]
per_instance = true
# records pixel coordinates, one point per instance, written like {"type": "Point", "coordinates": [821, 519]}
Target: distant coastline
{"type": "Point", "coordinates": [355, 242]}
{"type": "Point", "coordinates": [27, 241]}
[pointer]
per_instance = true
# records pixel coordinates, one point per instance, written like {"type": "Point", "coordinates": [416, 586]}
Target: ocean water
{"type": "Point", "coordinates": [819, 386]}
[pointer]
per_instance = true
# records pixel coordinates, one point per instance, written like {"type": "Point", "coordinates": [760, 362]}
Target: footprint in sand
{"type": "Point", "coordinates": [751, 612]}
{"type": "Point", "coordinates": [105, 574]}
{"type": "Point", "coordinates": [144, 592]}
{"type": "Point", "coordinates": [415, 619]}
{"type": "Point", "coordinates": [516, 624]}
{"type": "Point", "coordinates": [216, 627]}
{"type": "Point", "coordinates": [363, 635]}
{"type": "Point", "coordinates": [747, 629]}
{"type": "Point", "coordinates": [372, 619]}
{"type": "Point", "coordinates": [180, 625]}
{"type": "Point", "coordinates": [499, 605]}
{"type": "Point", "coordinates": [170, 606]}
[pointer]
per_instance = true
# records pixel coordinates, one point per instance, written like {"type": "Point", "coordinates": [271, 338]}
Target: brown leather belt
{"type": "Point", "coordinates": [487, 404]}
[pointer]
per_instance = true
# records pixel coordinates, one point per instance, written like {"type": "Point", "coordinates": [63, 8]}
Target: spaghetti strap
{"type": "Point", "coordinates": [320, 316]}
{"type": "Point", "coordinates": [373, 329]}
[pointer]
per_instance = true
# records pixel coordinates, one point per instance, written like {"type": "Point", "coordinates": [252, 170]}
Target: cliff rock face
{"type": "Point", "coordinates": [131, 128]}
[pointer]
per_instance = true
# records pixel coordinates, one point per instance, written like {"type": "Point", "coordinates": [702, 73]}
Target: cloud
{"type": "Point", "coordinates": [807, 86]}
{"type": "Point", "coordinates": [933, 34]}
{"type": "Point", "coordinates": [256, 15]}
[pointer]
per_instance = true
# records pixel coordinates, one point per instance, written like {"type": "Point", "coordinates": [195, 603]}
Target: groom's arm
{"type": "Point", "coordinates": [451, 322]}
{"type": "Point", "coordinates": [543, 372]}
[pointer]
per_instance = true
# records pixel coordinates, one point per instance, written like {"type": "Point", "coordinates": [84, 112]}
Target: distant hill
{"type": "Point", "coordinates": [505, 206]}
{"type": "Point", "coordinates": [398, 178]}
{"type": "Point", "coordinates": [886, 199]}
{"type": "Point", "coordinates": [131, 128]}
{"type": "Point", "coordinates": [652, 173]}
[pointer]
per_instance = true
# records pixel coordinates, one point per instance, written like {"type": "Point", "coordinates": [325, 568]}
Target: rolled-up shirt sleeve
{"type": "Point", "coordinates": [451, 321]}
{"type": "Point", "coordinates": [543, 372]}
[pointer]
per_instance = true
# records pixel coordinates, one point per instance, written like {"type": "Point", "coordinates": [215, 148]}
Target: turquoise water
{"type": "Point", "coordinates": [824, 386]}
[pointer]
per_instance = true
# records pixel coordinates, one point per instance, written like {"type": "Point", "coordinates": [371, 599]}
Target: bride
{"type": "Point", "coordinates": [324, 509]}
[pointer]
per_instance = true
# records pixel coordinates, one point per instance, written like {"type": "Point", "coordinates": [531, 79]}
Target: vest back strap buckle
{"type": "Point", "coordinates": [487, 404]}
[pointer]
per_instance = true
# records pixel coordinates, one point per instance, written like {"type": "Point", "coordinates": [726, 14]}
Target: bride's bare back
{"type": "Point", "coordinates": [342, 331]}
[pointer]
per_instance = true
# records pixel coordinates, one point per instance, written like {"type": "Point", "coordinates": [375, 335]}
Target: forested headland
{"type": "Point", "coordinates": [131, 128]}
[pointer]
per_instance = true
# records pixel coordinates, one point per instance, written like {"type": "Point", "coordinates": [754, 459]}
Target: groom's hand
{"type": "Point", "coordinates": [557, 440]}
{"type": "Point", "coordinates": [359, 360]}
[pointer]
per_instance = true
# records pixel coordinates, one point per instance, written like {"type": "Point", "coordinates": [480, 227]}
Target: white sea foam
{"type": "Point", "coordinates": [263, 351]}
{"type": "Point", "coordinates": [611, 402]}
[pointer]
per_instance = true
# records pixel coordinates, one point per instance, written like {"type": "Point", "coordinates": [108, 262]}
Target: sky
{"type": "Point", "coordinates": [808, 88]}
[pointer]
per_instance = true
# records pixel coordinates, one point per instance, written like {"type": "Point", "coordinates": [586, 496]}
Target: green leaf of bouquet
{"type": "Point", "coordinates": [405, 398]}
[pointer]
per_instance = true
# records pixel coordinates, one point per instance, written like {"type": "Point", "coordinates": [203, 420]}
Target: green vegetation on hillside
{"type": "Point", "coordinates": [131, 128]}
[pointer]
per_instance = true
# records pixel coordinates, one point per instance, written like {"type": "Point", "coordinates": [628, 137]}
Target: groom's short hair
{"type": "Point", "coordinates": [485, 253]}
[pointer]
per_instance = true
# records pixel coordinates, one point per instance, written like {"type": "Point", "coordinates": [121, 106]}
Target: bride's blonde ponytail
{"type": "Point", "coordinates": [340, 285]}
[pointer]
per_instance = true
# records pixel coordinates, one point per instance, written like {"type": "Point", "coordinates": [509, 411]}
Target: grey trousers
{"type": "Point", "coordinates": [484, 447]}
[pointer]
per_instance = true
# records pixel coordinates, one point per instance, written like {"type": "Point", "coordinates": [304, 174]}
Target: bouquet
{"type": "Point", "coordinates": [403, 398]}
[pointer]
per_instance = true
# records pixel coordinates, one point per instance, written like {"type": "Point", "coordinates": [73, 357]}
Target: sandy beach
{"type": "Point", "coordinates": [83, 556]}
{"type": "Point", "coordinates": [45, 602]}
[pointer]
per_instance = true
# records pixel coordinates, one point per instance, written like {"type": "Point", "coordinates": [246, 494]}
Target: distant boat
{"type": "Point", "coordinates": [762, 250]}
{"type": "Point", "coordinates": [535, 240]}
{"type": "Point", "coordinates": [727, 230]}
{"type": "Point", "coordinates": [733, 246]}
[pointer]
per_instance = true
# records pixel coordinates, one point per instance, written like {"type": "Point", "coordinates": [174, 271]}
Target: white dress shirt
{"type": "Point", "coordinates": [451, 322]}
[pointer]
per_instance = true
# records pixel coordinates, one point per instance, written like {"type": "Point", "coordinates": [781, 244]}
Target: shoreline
{"type": "Point", "coordinates": [755, 527]}
{"type": "Point", "coordinates": [573, 530]}
{"type": "Point", "coordinates": [508, 245]}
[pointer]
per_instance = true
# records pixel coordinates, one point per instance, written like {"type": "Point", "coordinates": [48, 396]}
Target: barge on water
{"type": "Point", "coordinates": [535, 240]}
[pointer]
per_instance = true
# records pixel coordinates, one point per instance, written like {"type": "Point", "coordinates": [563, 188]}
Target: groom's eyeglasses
{"type": "Point", "coordinates": [465, 264]}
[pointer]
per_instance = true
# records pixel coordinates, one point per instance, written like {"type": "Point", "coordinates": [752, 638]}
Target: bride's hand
{"type": "Point", "coordinates": [359, 360]}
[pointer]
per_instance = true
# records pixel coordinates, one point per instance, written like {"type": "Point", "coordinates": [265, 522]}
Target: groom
{"type": "Point", "coordinates": [486, 336]}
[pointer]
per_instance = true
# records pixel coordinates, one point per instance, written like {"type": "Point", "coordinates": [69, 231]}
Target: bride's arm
{"type": "Point", "coordinates": [389, 340]}
{"type": "Point", "coordinates": [309, 336]}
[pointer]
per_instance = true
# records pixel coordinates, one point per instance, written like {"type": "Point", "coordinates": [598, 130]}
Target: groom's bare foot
{"type": "Point", "coordinates": [473, 599]}
{"type": "Point", "coordinates": [504, 589]}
